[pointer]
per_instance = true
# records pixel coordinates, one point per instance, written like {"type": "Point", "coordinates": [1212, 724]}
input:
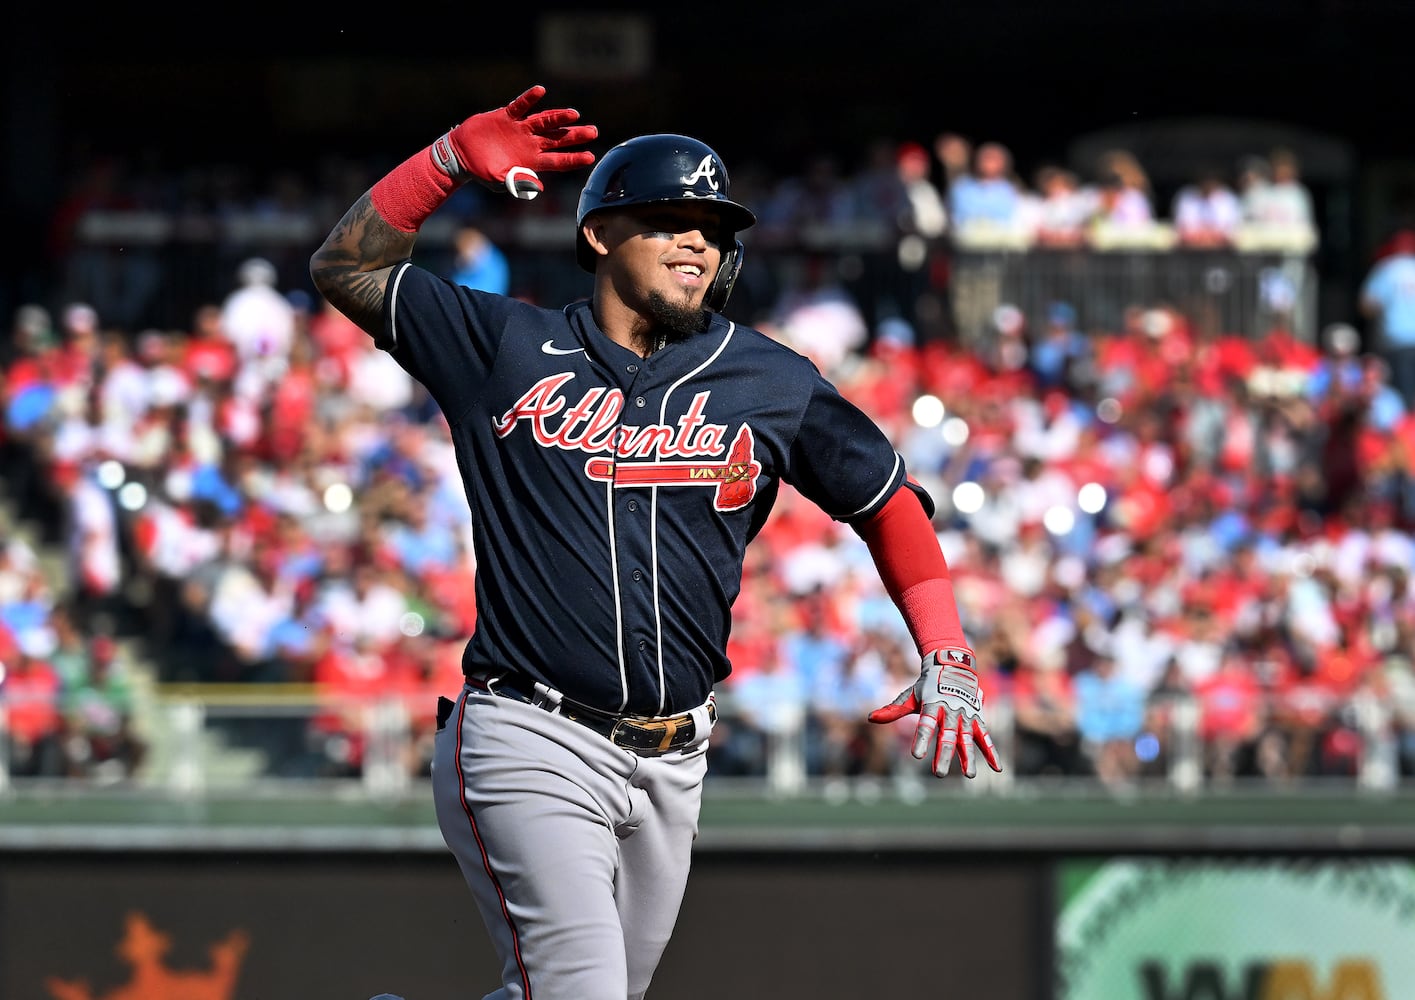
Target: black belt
{"type": "Point", "coordinates": [646, 736]}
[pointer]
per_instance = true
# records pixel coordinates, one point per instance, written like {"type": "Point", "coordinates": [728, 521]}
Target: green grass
{"type": "Point", "coordinates": [943, 819]}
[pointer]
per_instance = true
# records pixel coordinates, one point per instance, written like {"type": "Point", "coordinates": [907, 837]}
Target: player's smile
{"type": "Point", "coordinates": [690, 273]}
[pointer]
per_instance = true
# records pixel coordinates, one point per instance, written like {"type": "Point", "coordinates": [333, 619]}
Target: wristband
{"type": "Point", "coordinates": [414, 189]}
{"type": "Point", "coordinates": [930, 612]}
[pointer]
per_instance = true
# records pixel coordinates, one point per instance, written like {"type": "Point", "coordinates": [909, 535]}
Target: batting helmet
{"type": "Point", "coordinates": [666, 168]}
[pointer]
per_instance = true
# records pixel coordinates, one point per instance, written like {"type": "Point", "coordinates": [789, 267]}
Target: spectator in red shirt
{"type": "Point", "coordinates": [294, 399]}
{"type": "Point", "coordinates": [207, 355]}
{"type": "Point", "coordinates": [1221, 357]}
{"type": "Point", "coordinates": [1138, 363]}
{"type": "Point", "coordinates": [82, 347]}
{"type": "Point", "coordinates": [349, 680]}
{"type": "Point", "coordinates": [1231, 714]}
{"type": "Point", "coordinates": [30, 690]}
{"type": "Point", "coordinates": [420, 668]}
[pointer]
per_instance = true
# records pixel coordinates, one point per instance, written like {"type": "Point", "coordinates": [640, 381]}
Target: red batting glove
{"type": "Point", "coordinates": [509, 145]}
{"type": "Point", "coordinates": [950, 706]}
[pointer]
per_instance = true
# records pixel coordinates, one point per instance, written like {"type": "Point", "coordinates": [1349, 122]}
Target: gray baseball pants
{"type": "Point", "coordinates": [577, 851]}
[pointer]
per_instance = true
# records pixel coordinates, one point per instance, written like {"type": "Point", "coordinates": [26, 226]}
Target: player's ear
{"type": "Point", "coordinates": [594, 231]}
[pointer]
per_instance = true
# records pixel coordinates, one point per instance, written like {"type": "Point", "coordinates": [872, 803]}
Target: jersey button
{"type": "Point", "coordinates": [637, 575]}
{"type": "Point", "coordinates": [639, 401]}
{"type": "Point", "coordinates": [632, 369]}
{"type": "Point", "coordinates": [643, 644]}
{"type": "Point", "coordinates": [633, 505]}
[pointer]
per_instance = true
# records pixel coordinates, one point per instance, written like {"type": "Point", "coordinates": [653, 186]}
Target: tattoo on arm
{"type": "Point", "coordinates": [351, 267]}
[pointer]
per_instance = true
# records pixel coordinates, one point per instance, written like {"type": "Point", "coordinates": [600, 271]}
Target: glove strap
{"type": "Point", "coordinates": [956, 656]}
{"type": "Point", "coordinates": [444, 156]}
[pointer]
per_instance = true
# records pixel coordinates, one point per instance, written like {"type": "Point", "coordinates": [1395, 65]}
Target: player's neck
{"type": "Point", "coordinates": [629, 329]}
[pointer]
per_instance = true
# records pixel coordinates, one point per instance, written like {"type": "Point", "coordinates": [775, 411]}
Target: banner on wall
{"type": "Point", "coordinates": [177, 925]}
{"type": "Point", "coordinates": [1235, 929]}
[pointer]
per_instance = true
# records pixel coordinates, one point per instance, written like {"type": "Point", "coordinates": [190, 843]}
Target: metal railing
{"type": "Point", "coordinates": [145, 269]}
{"type": "Point", "coordinates": [208, 741]}
{"type": "Point", "coordinates": [1265, 277]}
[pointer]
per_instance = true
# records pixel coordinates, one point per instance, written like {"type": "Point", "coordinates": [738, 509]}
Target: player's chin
{"type": "Point", "coordinates": [685, 295]}
{"type": "Point", "coordinates": [679, 313]}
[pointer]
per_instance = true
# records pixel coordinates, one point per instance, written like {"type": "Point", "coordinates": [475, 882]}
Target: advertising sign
{"type": "Point", "coordinates": [1239, 929]}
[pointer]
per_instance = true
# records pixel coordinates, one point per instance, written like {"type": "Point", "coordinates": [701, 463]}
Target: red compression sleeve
{"type": "Point", "coordinates": [411, 191]}
{"type": "Point", "coordinates": [914, 572]}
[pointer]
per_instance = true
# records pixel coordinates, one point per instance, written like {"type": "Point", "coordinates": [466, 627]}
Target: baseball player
{"type": "Point", "coordinates": [618, 455]}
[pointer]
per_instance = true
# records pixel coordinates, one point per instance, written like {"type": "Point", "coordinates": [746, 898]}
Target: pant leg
{"type": "Point", "coordinates": [528, 803]}
{"type": "Point", "coordinates": [655, 855]}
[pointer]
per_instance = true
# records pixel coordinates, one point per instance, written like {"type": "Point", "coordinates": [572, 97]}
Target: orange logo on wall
{"type": "Point", "coordinates": [143, 947]}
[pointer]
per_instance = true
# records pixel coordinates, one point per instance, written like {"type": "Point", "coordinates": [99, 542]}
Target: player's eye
{"type": "Point", "coordinates": [669, 226]}
{"type": "Point", "coordinates": [671, 237]}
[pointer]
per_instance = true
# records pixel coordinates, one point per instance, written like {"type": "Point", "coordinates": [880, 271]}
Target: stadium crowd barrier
{"type": "Point", "coordinates": [153, 269]}
{"type": "Point", "coordinates": [215, 739]}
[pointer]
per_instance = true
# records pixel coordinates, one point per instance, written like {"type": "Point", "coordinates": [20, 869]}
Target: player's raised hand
{"type": "Point", "coordinates": [511, 145]}
{"type": "Point", "coordinates": [950, 707]}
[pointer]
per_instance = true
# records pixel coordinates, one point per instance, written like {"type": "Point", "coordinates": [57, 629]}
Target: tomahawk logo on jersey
{"type": "Point", "coordinates": [734, 480]}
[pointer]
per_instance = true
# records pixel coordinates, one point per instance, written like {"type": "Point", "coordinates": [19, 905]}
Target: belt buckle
{"type": "Point", "coordinates": [664, 730]}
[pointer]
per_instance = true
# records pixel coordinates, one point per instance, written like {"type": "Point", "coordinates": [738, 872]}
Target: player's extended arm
{"type": "Point", "coordinates": [506, 146]}
{"type": "Point", "coordinates": [946, 696]}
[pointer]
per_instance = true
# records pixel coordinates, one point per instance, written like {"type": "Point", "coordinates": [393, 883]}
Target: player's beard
{"type": "Point", "coordinates": [674, 321]}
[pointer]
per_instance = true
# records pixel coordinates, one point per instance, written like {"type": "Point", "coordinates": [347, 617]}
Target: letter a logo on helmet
{"type": "Point", "coordinates": [706, 171]}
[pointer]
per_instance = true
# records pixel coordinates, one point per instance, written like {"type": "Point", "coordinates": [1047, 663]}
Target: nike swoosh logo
{"type": "Point", "coordinates": [549, 348]}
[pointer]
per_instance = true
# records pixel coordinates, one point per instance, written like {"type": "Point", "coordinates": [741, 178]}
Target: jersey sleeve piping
{"type": "Point", "coordinates": [888, 488]}
{"type": "Point", "coordinates": [389, 341]}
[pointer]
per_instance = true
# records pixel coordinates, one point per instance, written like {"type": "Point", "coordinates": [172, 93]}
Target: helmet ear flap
{"type": "Point", "coordinates": [727, 271]}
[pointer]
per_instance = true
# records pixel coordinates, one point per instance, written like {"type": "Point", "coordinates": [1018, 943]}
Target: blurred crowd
{"type": "Point", "coordinates": [1146, 524]}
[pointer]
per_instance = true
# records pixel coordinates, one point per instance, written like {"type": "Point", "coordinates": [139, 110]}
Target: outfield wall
{"type": "Point", "coordinates": [348, 926]}
{"type": "Point", "coordinates": [1020, 897]}
{"type": "Point", "coordinates": [345, 925]}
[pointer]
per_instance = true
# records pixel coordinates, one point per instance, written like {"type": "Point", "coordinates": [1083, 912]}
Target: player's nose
{"type": "Point", "coordinates": [696, 239]}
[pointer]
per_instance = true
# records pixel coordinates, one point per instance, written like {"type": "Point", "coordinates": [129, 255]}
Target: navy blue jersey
{"type": "Point", "coordinates": [613, 496]}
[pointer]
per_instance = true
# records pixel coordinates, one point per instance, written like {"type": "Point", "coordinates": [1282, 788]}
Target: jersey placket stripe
{"type": "Point", "coordinates": [653, 519]}
{"type": "Point", "coordinates": [653, 568]}
{"type": "Point", "coordinates": [612, 524]}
